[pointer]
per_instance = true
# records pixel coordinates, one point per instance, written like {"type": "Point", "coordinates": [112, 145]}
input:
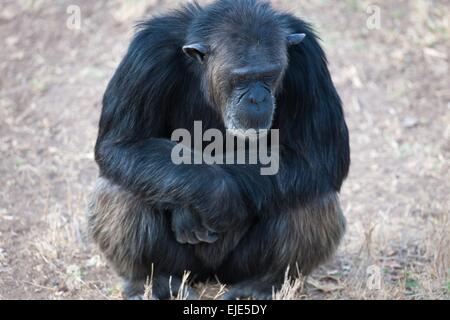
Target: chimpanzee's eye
{"type": "Point", "coordinates": [269, 78]}
{"type": "Point", "coordinates": [242, 78]}
{"type": "Point", "coordinates": [240, 81]}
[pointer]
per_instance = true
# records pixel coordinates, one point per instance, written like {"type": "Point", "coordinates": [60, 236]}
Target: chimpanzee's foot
{"type": "Point", "coordinates": [133, 289]}
{"type": "Point", "coordinates": [188, 228]}
{"type": "Point", "coordinates": [165, 287]}
{"type": "Point", "coordinates": [257, 290]}
{"type": "Point", "coordinates": [162, 288]}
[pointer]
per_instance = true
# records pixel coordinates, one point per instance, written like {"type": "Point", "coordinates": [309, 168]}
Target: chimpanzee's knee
{"type": "Point", "coordinates": [298, 239]}
{"type": "Point", "coordinates": [134, 237]}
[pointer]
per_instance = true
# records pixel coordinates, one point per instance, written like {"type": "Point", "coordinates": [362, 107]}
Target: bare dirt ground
{"type": "Point", "coordinates": [395, 85]}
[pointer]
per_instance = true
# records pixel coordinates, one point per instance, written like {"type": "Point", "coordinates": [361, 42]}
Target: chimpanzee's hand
{"type": "Point", "coordinates": [188, 228]}
{"type": "Point", "coordinates": [218, 201]}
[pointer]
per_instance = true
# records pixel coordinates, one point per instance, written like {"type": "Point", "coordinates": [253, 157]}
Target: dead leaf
{"type": "Point", "coordinates": [324, 287]}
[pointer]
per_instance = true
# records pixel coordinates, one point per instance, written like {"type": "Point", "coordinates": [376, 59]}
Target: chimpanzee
{"type": "Point", "coordinates": [233, 65]}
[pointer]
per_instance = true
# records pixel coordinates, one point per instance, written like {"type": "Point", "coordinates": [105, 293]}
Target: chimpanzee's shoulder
{"type": "Point", "coordinates": [168, 29]}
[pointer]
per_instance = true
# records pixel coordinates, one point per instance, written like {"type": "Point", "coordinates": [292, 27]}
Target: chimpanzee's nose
{"type": "Point", "coordinates": [257, 95]}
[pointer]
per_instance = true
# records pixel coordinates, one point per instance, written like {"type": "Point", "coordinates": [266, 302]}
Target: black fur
{"type": "Point", "coordinates": [264, 223]}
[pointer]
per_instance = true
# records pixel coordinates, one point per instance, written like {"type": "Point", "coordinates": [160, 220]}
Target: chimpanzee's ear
{"type": "Point", "coordinates": [295, 38]}
{"type": "Point", "coordinates": [197, 51]}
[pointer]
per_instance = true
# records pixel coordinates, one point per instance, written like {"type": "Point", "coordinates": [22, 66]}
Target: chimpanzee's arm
{"type": "Point", "coordinates": [146, 169]}
{"type": "Point", "coordinates": [133, 149]}
{"type": "Point", "coordinates": [301, 178]}
{"type": "Point", "coordinates": [314, 141]}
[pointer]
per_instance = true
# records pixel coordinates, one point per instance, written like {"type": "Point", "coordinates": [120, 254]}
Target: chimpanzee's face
{"type": "Point", "coordinates": [242, 74]}
{"type": "Point", "coordinates": [247, 99]}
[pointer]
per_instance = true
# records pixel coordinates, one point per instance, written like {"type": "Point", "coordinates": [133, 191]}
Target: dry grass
{"type": "Point", "coordinates": [394, 82]}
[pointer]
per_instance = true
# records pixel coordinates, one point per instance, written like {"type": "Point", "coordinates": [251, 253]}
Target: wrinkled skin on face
{"type": "Point", "coordinates": [242, 70]}
{"type": "Point", "coordinates": [244, 79]}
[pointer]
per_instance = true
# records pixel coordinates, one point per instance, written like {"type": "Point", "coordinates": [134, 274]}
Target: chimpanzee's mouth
{"type": "Point", "coordinates": [248, 133]}
{"type": "Point", "coordinates": [243, 123]}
